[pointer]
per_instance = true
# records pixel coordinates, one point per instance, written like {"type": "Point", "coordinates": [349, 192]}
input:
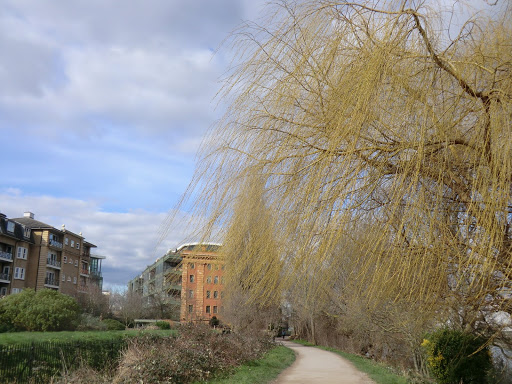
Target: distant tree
{"type": "Point", "coordinates": [93, 301]}
{"type": "Point", "coordinates": [127, 306]}
{"type": "Point", "coordinates": [45, 310]}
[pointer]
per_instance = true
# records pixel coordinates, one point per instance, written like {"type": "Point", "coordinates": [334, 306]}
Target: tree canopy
{"type": "Point", "coordinates": [381, 140]}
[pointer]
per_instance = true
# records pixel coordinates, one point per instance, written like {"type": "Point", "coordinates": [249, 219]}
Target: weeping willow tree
{"type": "Point", "coordinates": [374, 116]}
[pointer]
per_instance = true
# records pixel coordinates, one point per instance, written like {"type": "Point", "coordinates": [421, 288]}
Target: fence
{"type": "Point", "coordinates": [38, 362]}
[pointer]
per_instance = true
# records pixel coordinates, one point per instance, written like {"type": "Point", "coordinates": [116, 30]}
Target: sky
{"type": "Point", "coordinates": [103, 105]}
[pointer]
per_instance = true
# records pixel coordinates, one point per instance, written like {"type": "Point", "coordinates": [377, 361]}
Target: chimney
{"type": "Point", "coordinates": [28, 214]}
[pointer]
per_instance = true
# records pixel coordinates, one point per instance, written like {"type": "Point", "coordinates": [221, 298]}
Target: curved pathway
{"type": "Point", "coordinates": [314, 365]}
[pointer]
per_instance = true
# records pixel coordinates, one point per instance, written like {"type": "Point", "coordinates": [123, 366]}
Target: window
{"type": "Point", "coordinates": [222, 267]}
{"type": "Point", "coordinates": [191, 265]}
{"type": "Point", "coordinates": [214, 309]}
{"type": "Point", "coordinates": [65, 258]}
{"type": "Point", "coordinates": [216, 267]}
{"type": "Point", "coordinates": [209, 266]}
{"type": "Point", "coordinates": [190, 308]}
{"type": "Point", "coordinates": [72, 243]}
{"type": "Point", "coordinates": [191, 277]}
{"type": "Point", "coordinates": [10, 226]}
{"type": "Point", "coordinates": [74, 280]}
{"type": "Point", "coordinates": [216, 280]}
{"type": "Point", "coordinates": [190, 294]}
{"type": "Point", "coordinates": [22, 253]}
{"type": "Point", "coordinates": [69, 279]}
{"type": "Point", "coordinates": [207, 294]}
{"type": "Point", "coordinates": [66, 241]}
{"type": "Point", "coordinates": [15, 290]}
{"type": "Point", "coordinates": [76, 263]}
{"type": "Point", "coordinates": [221, 294]}
{"type": "Point", "coordinates": [3, 291]}
{"type": "Point", "coordinates": [70, 260]}
{"type": "Point", "coordinates": [209, 280]}
{"type": "Point", "coordinates": [77, 245]}
{"type": "Point", "coordinates": [208, 309]}
{"type": "Point", "coordinates": [222, 279]}
{"type": "Point", "coordinates": [19, 273]}
{"type": "Point", "coordinates": [63, 277]}
{"type": "Point", "coordinates": [215, 294]}
{"type": "Point", "coordinates": [26, 232]}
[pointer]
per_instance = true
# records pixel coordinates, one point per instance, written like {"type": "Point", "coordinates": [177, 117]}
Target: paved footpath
{"type": "Point", "coordinates": [314, 365]}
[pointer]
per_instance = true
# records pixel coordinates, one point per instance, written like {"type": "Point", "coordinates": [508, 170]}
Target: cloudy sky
{"type": "Point", "coordinates": [103, 105]}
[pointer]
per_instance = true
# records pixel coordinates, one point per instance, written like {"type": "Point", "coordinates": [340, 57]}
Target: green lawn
{"type": "Point", "coordinates": [262, 370]}
{"type": "Point", "coordinates": [10, 338]}
{"type": "Point", "coordinates": [379, 373]}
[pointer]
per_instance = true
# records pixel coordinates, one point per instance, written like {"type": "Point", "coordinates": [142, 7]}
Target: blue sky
{"type": "Point", "coordinates": [103, 106]}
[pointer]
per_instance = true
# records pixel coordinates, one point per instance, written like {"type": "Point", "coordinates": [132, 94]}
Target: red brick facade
{"type": "Point", "coordinates": [202, 284]}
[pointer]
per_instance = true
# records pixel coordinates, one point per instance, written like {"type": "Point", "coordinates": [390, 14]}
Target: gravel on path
{"type": "Point", "coordinates": [314, 365]}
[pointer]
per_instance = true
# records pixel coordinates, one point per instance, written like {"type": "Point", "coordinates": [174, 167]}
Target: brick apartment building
{"type": "Point", "coordinates": [37, 255]}
{"type": "Point", "coordinates": [202, 287]}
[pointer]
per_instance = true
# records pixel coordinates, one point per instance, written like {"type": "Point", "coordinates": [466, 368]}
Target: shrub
{"type": "Point", "coordinates": [89, 322]}
{"type": "Point", "coordinates": [44, 310]}
{"type": "Point", "coordinates": [454, 357]}
{"type": "Point", "coordinates": [214, 321]}
{"type": "Point", "coordinates": [195, 355]}
{"type": "Point", "coordinates": [163, 325]}
{"type": "Point", "coordinates": [113, 325]}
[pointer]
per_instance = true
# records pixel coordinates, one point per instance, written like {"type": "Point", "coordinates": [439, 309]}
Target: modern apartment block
{"type": "Point", "coordinates": [189, 280]}
{"type": "Point", "coordinates": [37, 255]}
{"type": "Point", "coordinates": [202, 288]}
{"type": "Point", "coordinates": [160, 284]}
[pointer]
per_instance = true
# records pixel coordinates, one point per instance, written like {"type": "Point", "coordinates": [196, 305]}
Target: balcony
{"type": "Point", "coordinates": [52, 283]}
{"type": "Point", "coordinates": [5, 256]}
{"type": "Point", "coordinates": [53, 263]}
{"type": "Point", "coordinates": [5, 278]}
{"type": "Point", "coordinates": [55, 243]}
{"type": "Point", "coordinates": [84, 272]}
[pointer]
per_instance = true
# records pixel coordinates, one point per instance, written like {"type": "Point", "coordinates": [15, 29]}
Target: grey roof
{"type": "Point", "coordinates": [18, 234]}
{"type": "Point", "coordinates": [33, 224]}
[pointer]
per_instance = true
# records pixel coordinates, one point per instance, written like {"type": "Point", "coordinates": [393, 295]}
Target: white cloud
{"type": "Point", "coordinates": [129, 240]}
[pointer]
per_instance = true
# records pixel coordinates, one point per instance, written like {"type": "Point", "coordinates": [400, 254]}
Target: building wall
{"type": "Point", "coordinates": [55, 259]}
{"type": "Point", "coordinates": [202, 287]}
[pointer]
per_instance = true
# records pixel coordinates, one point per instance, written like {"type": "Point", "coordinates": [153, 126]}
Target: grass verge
{"type": "Point", "coordinates": [260, 371]}
{"type": "Point", "coordinates": [379, 373]}
{"type": "Point", "coordinates": [12, 338]}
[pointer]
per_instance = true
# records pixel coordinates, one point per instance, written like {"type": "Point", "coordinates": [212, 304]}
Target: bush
{"type": "Point", "coordinates": [44, 310]}
{"type": "Point", "coordinates": [195, 355]}
{"type": "Point", "coordinates": [89, 322]}
{"type": "Point", "coordinates": [163, 325]}
{"type": "Point", "coordinates": [453, 358]}
{"type": "Point", "coordinates": [214, 321]}
{"type": "Point", "coordinates": [114, 325]}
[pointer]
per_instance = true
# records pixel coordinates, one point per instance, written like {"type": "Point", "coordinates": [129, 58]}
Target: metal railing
{"type": "Point", "coordinates": [53, 263]}
{"type": "Point", "coordinates": [5, 276]}
{"type": "Point", "coordinates": [54, 282]}
{"type": "Point", "coordinates": [55, 243]}
{"type": "Point", "coordinates": [5, 255]}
